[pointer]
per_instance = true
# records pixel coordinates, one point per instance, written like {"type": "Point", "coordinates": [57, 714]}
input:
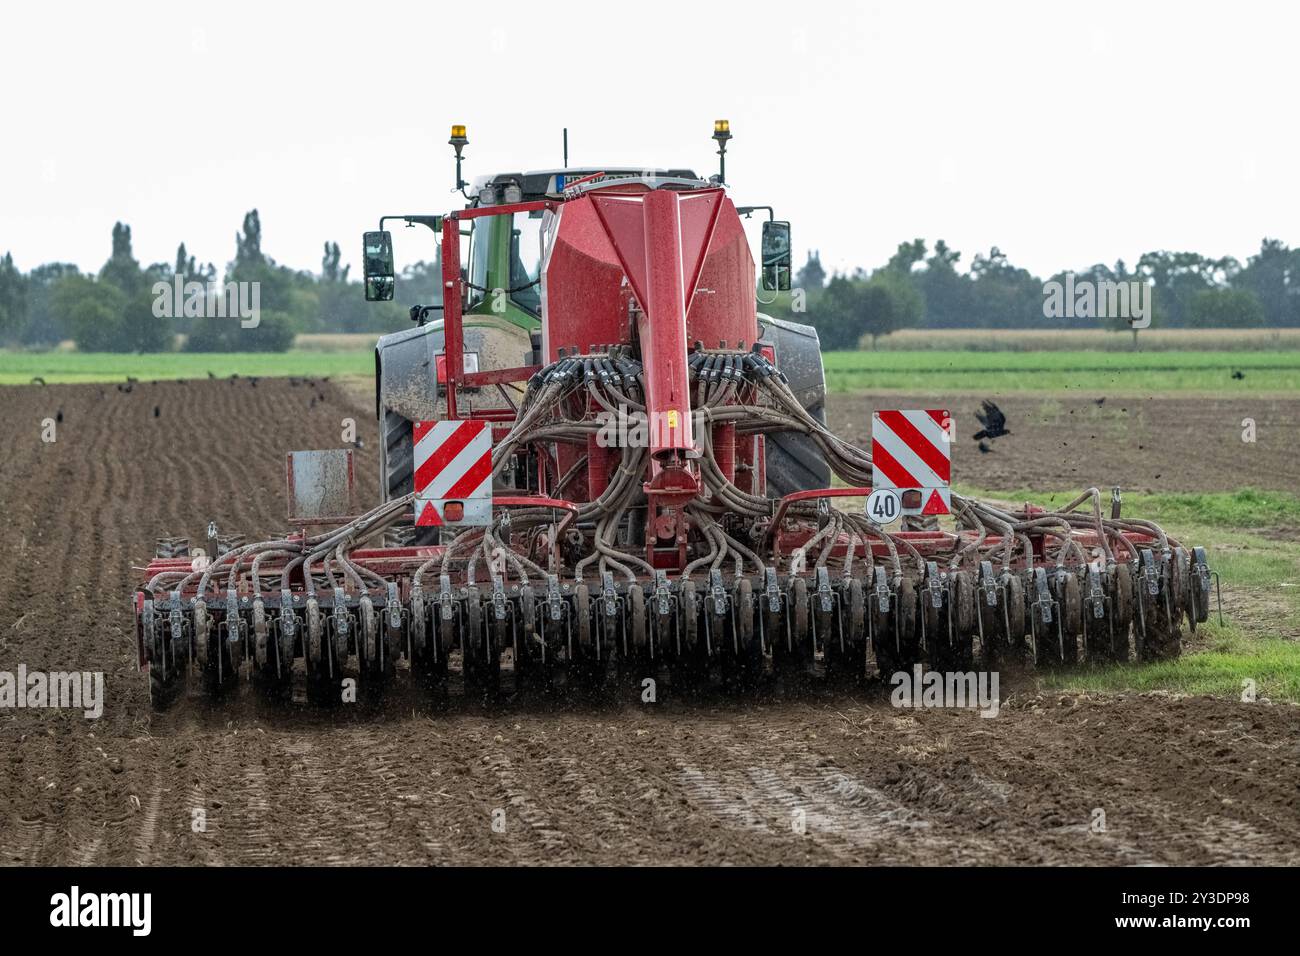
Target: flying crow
{"type": "Point", "coordinates": [994, 422]}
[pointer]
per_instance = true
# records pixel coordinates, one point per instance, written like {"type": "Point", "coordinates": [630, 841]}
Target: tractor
{"type": "Point", "coordinates": [601, 460]}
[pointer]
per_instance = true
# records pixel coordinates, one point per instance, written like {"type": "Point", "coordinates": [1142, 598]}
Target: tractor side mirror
{"type": "Point", "coordinates": [776, 257]}
{"type": "Point", "coordinates": [377, 260]}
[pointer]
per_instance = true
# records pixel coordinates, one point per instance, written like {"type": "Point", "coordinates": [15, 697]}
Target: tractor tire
{"type": "Point", "coordinates": [398, 476]}
{"type": "Point", "coordinates": [794, 462]}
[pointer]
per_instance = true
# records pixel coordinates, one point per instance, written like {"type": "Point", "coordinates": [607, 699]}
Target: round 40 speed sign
{"type": "Point", "coordinates": [884, 506]}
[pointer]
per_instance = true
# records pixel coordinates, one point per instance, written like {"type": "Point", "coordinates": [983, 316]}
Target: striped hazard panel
{"type": "Point", "coordinates": [912, 451]}
{"type": "Point", "coordinates": [453, 472]}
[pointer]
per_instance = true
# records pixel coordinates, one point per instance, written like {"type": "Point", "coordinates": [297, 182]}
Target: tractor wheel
{"type": "Point", "coordinates": [398, 453]}
{"type": "Point", "coordinates": [794, 462]}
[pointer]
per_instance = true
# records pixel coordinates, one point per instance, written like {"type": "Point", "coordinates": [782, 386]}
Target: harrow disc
{"type": "Point", "coordinates": [259, 634]}
{"type": "Point", "coordinates": [856, 629]}
{"type": "Point", "coordinates": [480, 657]}
{"type": "Point", "coordinates": [637, 628]}
{"type": "Point", "coordinates": [907, 623]}
{"type": "Point", "coordinates": [1121, 600]}
{"type": "Point", "coordinates": [796, 655]}
{"type": "Point", "coordinates": [1180, 588]}
{"type": "Point", "coordinates": [202, 633]}
{"type": "Point", "coordinates": [744, 657]}
{"type": "Point", "coordinates": [1070, 596]}
{"type": "Point", "coordinates": [1200, 586]}
{"type": "Point", "coordinates": [1014, 618]}
{"type": "Point", "coordinates": [315, 629]}
{"type": "Point", "coordinates": [963, 598]}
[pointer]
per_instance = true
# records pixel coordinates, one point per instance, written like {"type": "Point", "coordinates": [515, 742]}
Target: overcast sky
{"type": "Point", "coordinates": [1065, 133]}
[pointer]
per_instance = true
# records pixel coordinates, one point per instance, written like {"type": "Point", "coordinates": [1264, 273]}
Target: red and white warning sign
{"type": "Point", "coordinates": [911, 451]}
{"type": "Point", "coordinates": [453, 472]}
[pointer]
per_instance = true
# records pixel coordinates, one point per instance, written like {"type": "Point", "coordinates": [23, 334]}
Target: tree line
{"type": "Point", "coordinates": [117, 308]}
{"type": "Point", "coordinates": [920, 286]}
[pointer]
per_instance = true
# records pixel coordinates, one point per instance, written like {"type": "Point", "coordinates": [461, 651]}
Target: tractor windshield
{"type": "Point", "coordinates": [506, 253]}
{"type": "Point", "coordinates": [526, 260]}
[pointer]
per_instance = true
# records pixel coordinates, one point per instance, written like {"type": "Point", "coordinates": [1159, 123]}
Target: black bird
{"type": "Point", "coordinates": [994, 422]}
{"type": "Point", "coordinates": [58, 417]}
{"type": "Point", "coordinates": [156, 411]}
{"type": "Point", "coordinates": [1238, 374]}
{"type": "Point", "coordinates": [985, 447]}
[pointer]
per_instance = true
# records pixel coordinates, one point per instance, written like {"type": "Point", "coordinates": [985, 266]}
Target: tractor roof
{"type": "Point", "coordinates": [550, 183]}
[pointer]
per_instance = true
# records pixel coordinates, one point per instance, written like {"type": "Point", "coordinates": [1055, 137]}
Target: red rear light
{"type": "Point", "coordinates": [454, 511]}
{"type": "Point", "coordinates": [912, 499]}
{"type": "Point", "coordinates": [440, 364]}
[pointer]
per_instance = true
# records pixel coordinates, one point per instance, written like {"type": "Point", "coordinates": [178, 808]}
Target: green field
{"type": "Point", "coordinates": [1110, 372]}
{"type": "Point", "coordinates": [1208, 372]}
{"type": "Point", "coordinates": [17, 368]}
{"type": "Point", "coordinates": [1090, 340]}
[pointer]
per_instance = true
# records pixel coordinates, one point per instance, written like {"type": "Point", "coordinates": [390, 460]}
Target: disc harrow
{"type": "Point", "coordinates": [577, 583]}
